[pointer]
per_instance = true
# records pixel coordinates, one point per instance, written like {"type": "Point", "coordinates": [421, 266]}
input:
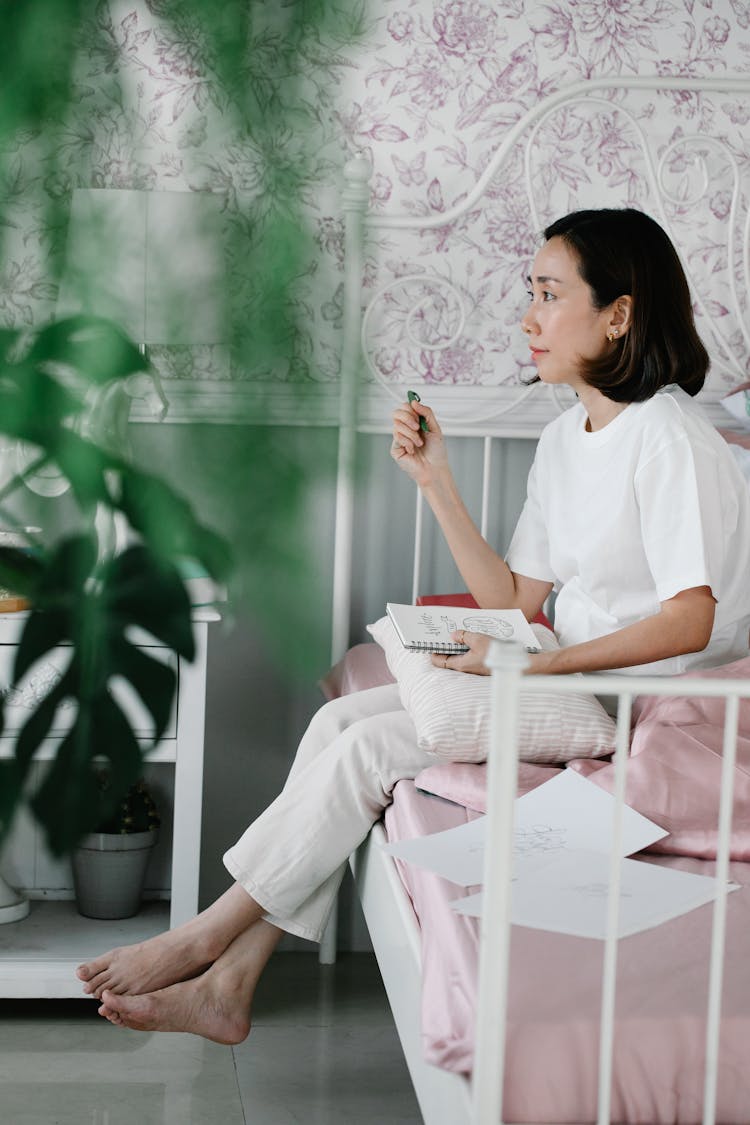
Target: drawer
{"type": "Point", "coordinates": [23, 699]}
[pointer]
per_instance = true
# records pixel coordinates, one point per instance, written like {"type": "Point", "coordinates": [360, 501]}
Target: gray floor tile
{"type": "Point", "coordinates": [323, 1049]}
{"type": "Point", "coordinates": [325, 1076]}
{"type": "Point", "coordinates": [295, 986]}
{"type": "Point", "coordinates": [61, 1064]}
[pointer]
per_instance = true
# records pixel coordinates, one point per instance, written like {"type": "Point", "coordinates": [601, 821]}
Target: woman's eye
{"type": "Point", "coordinates": [547, 296]}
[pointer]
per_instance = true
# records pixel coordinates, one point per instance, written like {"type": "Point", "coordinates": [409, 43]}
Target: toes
{"type": "Point", "coordinates": [98, 985]}
{"type": "Point", "coordinates": [94, 968]}
{"type": "Point", "coordinates": [108, 1011]}
{"type": "Point", "coordinates": [94, 975]}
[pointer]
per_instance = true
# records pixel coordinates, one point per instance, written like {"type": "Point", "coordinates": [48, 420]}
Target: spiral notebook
{"type": "Point", "coordinates": [428, 628]}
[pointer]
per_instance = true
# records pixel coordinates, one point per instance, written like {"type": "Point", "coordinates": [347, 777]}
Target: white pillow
{"type": "Point", "coordinates": [451, 710]}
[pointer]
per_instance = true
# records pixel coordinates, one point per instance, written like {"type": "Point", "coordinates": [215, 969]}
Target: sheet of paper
{"type": "Point", "coordinates": [456, 854]}
{"type": "Point", "coordinates": [567, 812]}
{"type": "Point", "coordinates": [568, 895]}
{"type": "Point", "coordinates": [570, 812]}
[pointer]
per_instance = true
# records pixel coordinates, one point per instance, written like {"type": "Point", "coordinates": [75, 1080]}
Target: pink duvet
{"type": "Point", "coordinates": [555, 995]}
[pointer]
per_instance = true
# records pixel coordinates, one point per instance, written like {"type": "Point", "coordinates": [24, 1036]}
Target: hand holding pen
{"type": "Point", "coordinates": [412, 396]}
{"type": "Point", "coordinates": [418, 446]}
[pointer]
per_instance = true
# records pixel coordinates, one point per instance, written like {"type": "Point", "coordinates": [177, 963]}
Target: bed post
{"type": "Point", "coordinates": [354, 200]}
{"type": "Point", "coordinates": [506, 662]}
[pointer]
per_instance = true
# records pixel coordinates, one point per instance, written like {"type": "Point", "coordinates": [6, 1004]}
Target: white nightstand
{"type": "Point", "coordinates": [39, 954]}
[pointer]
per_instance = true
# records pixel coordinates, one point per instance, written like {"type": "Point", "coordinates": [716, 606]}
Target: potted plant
{"type": "Point", "coordinates": [109, 864]}
{"type": "Point", "coordinates": [83, 594]}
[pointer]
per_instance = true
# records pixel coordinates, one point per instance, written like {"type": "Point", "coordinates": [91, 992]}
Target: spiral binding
{"type": "Point", "coordinates": [437, 646]}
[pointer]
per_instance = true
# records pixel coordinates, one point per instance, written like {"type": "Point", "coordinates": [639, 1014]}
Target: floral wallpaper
{"type": "Point", "coordinates": [426, 90]}
{"type": "Point", "coordinates": [449, 81]}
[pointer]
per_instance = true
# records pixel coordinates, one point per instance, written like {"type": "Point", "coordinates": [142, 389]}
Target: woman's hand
{"type": "Point", "coordinates": [417, 452]}
{"type": "Point", "coordinates": [472, 661]}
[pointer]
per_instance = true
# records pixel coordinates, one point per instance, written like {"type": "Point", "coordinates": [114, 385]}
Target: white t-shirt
{"type": "Point", "coordinates": [626, 517]}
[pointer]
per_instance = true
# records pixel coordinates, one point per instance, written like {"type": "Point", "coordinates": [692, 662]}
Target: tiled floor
{"type": "Point", "coordinates": [323, 1051]}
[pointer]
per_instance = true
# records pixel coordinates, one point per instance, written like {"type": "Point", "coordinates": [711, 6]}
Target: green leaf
{"type": "Point", "coordinates": [92, 606]}
{"type": "Point", "coordinates": [33, 404]}
{"type": "Point", "coordinates": [67, 571]}
{"type": "Point", "coordinates": [41, 633]}
{"type": "Point", "coordinates": [39, 723]}
{"type": "Point", "coordinates": [68, 811]}
{"type": "Point", "coordinates": [11, 790]}
{"type": "Point", "coordinates": [149, 592]}
{"type": "Point", "coordinates": [96, 348]}
{"type": "Point", "coordinates": [167, 523]}
{"type": "Point", "coordinates": [84, 465]}
{"type": "Point", "coordinates": [20, 571]}
{"type": "Point", "coordinates": [8, 343]}
{"type": "Point", "coordinates": [154, 681]}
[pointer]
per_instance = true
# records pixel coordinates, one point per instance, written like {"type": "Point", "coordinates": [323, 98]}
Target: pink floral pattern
{"type": "Point", "coordinates": [427, 91]}
{"type": "Point", "coordinates": [469, 71]}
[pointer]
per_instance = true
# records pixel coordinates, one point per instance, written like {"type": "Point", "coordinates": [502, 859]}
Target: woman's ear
{"type": "Point", "coordinates": [621, 315]}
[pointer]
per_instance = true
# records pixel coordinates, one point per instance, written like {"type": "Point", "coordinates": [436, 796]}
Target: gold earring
{"type": "Point", "coordinates": [612, 336]}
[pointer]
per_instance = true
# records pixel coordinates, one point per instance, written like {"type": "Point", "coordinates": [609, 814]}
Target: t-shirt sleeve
{"type": "Point", "coordinates": [529, 551]}
{"type": "Point", "coordinates": [684, 518]}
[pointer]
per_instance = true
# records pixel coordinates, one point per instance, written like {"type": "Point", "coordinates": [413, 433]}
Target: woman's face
{"type": "Point", "coordinates": [562, 324]}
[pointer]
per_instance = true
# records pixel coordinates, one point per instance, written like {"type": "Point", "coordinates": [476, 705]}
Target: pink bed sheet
{"type": "Point", "coordinates": [555, 992]}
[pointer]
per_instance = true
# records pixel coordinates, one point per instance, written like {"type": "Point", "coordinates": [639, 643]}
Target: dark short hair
{"type": "Point", "coordinates": [625, 252]}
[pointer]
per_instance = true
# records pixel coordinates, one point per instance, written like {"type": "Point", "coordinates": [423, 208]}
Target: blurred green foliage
{"type": "Point", "coordinates": [253, 62]}
{"type": "Point", "coordinates": [82, 596]}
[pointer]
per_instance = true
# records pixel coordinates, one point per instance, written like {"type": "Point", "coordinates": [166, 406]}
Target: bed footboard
{"type": "Point", "coordinates": [507, 663]}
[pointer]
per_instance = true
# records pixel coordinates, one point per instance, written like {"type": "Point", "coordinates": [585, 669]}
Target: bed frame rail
{"type": "Point", "coordinates": [507, 663]}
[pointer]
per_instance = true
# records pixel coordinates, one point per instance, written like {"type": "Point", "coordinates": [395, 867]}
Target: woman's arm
{"type": "Point", "coordinates": [487, 576]}
{"type": "Point", "coordinates": [683, 625]}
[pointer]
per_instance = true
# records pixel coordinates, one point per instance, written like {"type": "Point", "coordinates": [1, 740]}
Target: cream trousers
{"type": "Point", "coordinates": [292, 858]}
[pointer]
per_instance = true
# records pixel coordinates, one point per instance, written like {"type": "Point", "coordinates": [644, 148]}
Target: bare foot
{"type": "Point", "coordinates": [149, 965]}
{"type": "Point", "coordinates": [198, 1006]}
{"type": "Point", "coordinates": [175, 955]}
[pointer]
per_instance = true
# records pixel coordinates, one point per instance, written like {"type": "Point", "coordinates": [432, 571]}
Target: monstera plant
{"type": "Point", "coordinates": [80, 595]}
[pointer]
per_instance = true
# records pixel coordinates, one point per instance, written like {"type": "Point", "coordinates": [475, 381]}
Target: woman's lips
{"type": "Point", "coordinates": [536, 352]}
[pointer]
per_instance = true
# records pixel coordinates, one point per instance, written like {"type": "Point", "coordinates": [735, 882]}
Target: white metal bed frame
{"type": "Point", "coordinates": [450, 1099]}
{"type": "Point", "coordinates": [447, 1099]}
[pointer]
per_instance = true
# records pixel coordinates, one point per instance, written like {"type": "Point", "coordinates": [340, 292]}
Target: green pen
{"type": "Point", "coordinates": [414, 397]}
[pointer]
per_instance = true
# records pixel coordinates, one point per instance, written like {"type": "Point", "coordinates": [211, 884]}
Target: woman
{"type": "Point", "coordinates": [636, 514]}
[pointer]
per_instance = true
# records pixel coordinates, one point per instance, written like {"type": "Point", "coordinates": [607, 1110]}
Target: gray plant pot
{"type": "Point", "coordinates": [109, 873]}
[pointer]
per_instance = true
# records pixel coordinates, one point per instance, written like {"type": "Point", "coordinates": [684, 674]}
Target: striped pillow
{"type": "Point", "coordinates": [451, 710]}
